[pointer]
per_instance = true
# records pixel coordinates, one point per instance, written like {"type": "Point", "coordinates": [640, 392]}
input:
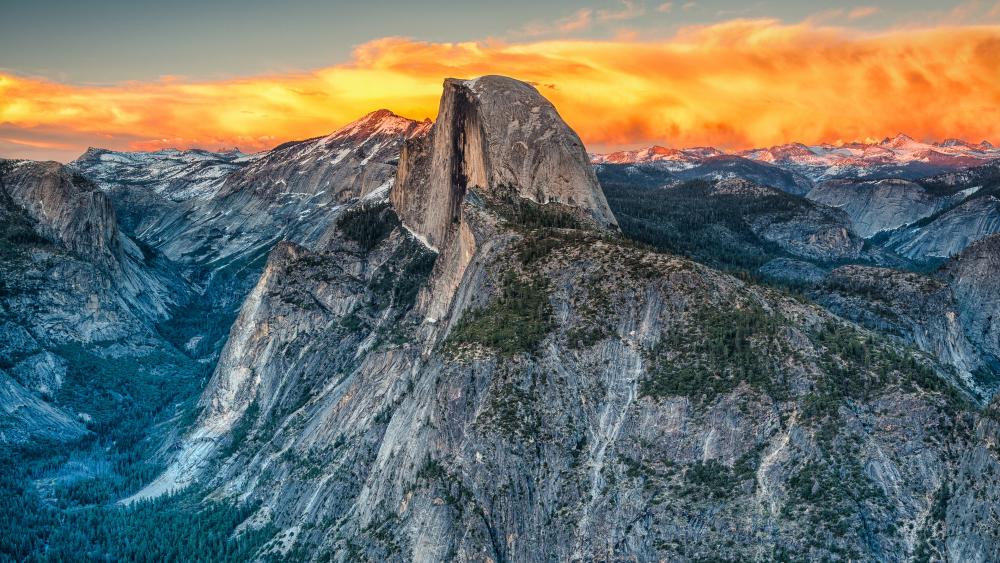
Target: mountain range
{"type": "Point", "coordinates": [472, 340]}
{"type": "Point", "coordinates": [897, 157]}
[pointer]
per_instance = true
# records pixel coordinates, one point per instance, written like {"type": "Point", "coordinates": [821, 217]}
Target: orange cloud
{"type": "Point", "coordinates": [736, 84]}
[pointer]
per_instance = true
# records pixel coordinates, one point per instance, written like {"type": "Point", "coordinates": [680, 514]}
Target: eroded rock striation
{"type": "Point", "coordinates": [879, 205]}
{"type": "Point", "coordinates": [75, 292]}
{"type": "Point", "coordinates": [973, 277]}
{"type": "Point", "coordinates": [496, 134]}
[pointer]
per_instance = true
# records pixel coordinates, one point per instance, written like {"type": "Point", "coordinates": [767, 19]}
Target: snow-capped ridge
{"type": "Point", "coordinates": [899, 156]}
{"type": "Point", "coordinates": [380, 122]}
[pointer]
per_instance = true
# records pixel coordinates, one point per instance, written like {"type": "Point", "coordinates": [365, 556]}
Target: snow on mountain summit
{"type": "Point", "coordinates": [380, 122]}
{"type": "Point", "coordinates": [899, 156]}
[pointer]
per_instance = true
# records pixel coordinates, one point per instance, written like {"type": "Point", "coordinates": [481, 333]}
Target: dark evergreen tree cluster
{"type": "Point", "coordinates": [516, 321]}
{"type": "Point", "coordinates": [175, 528]}
{"type": "Point", "coordinates": [368, 223]}
{"type": "Point", "coordinates": [688, 220]}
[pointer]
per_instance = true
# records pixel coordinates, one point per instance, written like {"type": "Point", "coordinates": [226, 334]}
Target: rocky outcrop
{"type": "Point", "coordinates": [494, 138]}
{"type": "Point", "coordinates": [924, 221]}
{"type": "Point", "coordinates": [65, 208]}
{"type": "Point", "coordinates": [442, 443]}
{"type": "Point", "coordinates": [973, 277]}
{"type": "Point", "coordinates": [217, 209]}
{"type": "Point", "coordinates": [216, 216]}
{"type": "Point", "coordinates": [951, 232]}
{"type": "Point", "coordinates": [792, 272]}
{"type": "Point", "coordinates": [879, 205]}
{"type": "Point", "coordinates": [810, 231]}
{"type": "Point", "coordinates": [493, 133]}
{"type": "Point", "coordinates": [26, 419]}
{"type": "Point", "coordinates": [921, 310]}
{"type": "Point", "coordinates": [68, 209]}
{"type": "Point", "coordinates": [79, 300]}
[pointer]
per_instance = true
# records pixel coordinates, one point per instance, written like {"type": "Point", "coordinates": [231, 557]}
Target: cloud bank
{"type": "Point", "coordinates": [735, 84]}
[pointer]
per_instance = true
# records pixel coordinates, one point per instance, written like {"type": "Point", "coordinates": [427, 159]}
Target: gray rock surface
{"type": "Point", "coordinates": [792, 271]}
{"type": "Point", "coordinates": [472, 364]}
{"type": "Point", "coordinates": [973, 276]}
{"type": "Point", "coordinates": [879, 205]}
{"type": "Point", "coordinates": [810, 231]}
{"type": "Point", "coordinates": [427, 450]}
{"type": "Point", "coordinates": [577, 398]}
{"type": "Point", "coordinates": [951, 232]}
{"type": "Point", "coordinates": [921, 310]}
{"type": "Point", "coordinates": [25, 418]}
{"type": "Point", "coordinates": [217, 215]}
{"type": "Point", "coordinates": [72, 285]}
{"type": "Point", "coordinates": [493, 133]}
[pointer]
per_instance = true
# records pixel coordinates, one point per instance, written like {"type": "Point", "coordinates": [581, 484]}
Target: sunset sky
{"type": "Point", "coordinates": [143, 76]}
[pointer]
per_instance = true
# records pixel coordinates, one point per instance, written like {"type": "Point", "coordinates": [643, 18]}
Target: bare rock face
{"type": "Point", "coordinates": [75, 293]}
{"type": "Point", "coordinates": [81, 218]}
{"type": "Point", "coordinates": [920, 310]}
{"type": "Point", "coordinates": [499, 138]}
{"type": "Point", "coordinates": [973, 275]}
{"type": "Point", "coordinates": [952, 231]}
{"type": "Point", "coordinates": [216, 216]}
{"type": "Point", "coordinates": [802, 228]}
{"type": "Point", "coordinates": [879, 205]}
{"type": "Point", "coordinates": [368, 433]}
{"type": "Point", "coordinates": [493, 133]}
{"type": "Point", "coordinates": [218, 209]}
{"type": "Point", "coordinates": [25, 417]}
{"type": "Point", "coordinates": [69, 210]}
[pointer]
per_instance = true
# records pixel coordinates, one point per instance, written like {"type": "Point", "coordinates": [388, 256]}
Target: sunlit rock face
{"type": "Point", "coordinates": [493, 133]}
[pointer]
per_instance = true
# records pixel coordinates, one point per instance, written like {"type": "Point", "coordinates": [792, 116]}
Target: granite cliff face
{"type": "Point", "coordinates": [973, 277]}
{"type": "Point", "coordinates": [214, 208]}
{"type": "Point", "coordinates": [494, 138]}
{"type": "Point", "coordinates": [807, 231]}
{"type": "Point", "coordinates": [442, 347]}
{"type": "Point", "coordinates": [495, 134]}
{"type": "Point", "coordinates": [217, 215]}
{"type": "Point", "coordinates": [472, 370]}
{"type": "Point", "coordinates": [73, 288]}
{"type": "Point", "coordinates": [879, 205]}
{"type": "Point", "coordinates": [922, 311]}
{"type": "Point", "coordinates": [926, 220]}
{"type": "Point", "coordinates": [70, 211]}
{"type": "Point", "coordinates": [951, 232]}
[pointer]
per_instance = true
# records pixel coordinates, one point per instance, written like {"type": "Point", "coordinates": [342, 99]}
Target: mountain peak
{"type": "Point", "coordinates": [493, 133]}
{"type": "Point", "coordinates": [382, 121]}
{"type": "Point", "coordinates": [898, 141]}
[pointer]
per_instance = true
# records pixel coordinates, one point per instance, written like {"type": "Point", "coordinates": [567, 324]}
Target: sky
{"type": "Point", "coordinates": [136, 75]}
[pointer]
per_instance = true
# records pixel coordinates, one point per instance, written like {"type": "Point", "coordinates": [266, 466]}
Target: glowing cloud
{"type": "Point", "coordinates": [736, 84]}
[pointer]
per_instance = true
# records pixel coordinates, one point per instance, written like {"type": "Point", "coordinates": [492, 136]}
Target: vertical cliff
{"type": "Point", "coordinates": [499, 135]}
{"type": "Point", "coordinates": [973, 276]}
{"type": "Point", "coordinates": [499, 139]}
